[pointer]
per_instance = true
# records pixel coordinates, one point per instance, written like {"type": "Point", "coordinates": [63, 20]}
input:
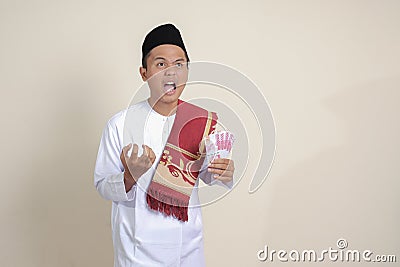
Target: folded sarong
{"type": "Point", "coordinates": [176, 174]}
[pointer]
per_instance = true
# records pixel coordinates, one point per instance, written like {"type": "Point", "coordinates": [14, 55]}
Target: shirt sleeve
{"type": "Point", "coordinates": [109, 171]}
{"type": "Point", "coordinates": [208, 177]}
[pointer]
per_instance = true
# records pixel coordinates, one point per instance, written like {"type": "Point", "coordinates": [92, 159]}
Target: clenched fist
{"type": "Point", "coordinates": [136, 166]}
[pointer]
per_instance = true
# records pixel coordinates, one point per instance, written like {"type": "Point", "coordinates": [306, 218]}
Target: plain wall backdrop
{"type": "Point", "coordinates": [330, 71]}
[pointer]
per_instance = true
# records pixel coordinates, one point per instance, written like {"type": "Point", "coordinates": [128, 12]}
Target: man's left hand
{"type": "Point", "coordinates": [222, 169]}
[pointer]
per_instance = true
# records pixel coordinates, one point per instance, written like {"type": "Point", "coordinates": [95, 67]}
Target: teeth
{"type": "Point", "coordinates": [171, 83]}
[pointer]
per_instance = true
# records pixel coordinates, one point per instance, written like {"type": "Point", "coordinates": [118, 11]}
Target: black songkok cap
{"type": "Point", "coordinates": [163, 34]}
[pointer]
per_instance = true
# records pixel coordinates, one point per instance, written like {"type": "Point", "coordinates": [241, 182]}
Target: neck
{"type": "Point", "coordinates": [165, 109]}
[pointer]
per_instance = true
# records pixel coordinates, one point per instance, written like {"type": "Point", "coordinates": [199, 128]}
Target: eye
{"type": "Point", "coordinates": [160, 64]}
{"type": "Point", "coordinates": [179, 65]}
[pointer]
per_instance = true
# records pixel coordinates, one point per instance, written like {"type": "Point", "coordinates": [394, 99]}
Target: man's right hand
{"type": "Point", "coordinates": [136, 166]}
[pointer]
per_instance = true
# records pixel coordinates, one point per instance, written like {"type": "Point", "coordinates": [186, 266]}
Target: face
{"type": "Point", "coordinates": [166, 73]}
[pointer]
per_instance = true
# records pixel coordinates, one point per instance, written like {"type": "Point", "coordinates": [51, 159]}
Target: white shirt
{"type": "Point", "coordinates": [141, 236]}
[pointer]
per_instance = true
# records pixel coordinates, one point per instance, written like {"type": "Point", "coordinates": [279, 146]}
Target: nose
{"type": "Point", "coordinates": [170, 71]}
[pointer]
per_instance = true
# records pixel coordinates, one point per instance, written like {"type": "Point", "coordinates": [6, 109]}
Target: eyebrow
{"type": "Point", "coordinates": [179, 59]}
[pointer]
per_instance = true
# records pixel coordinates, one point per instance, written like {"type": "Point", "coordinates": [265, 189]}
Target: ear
{"type": "Point", "coordinates": [143, 73]}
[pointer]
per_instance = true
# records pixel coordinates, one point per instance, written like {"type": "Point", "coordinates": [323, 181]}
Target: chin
{"type": "Point", "coordinates": [169, 99]}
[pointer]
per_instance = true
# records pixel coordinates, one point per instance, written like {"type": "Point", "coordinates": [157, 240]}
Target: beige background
{"type": "Point", "coordinates": [329, 69]}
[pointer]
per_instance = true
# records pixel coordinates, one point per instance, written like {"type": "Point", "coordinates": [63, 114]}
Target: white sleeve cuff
{"type": "Point", "coordinates": [130, 195]}
{"type": "Point", "coordinates": [117, 191]}
{"type": "Point", "coordinates": [228, 185]}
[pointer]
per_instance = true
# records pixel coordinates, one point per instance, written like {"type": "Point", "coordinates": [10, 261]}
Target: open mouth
{"type": "Point", "coordinates": [170, 88]}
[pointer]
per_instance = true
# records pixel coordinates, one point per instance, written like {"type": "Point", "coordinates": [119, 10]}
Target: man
{"type": "Point", "coordinates": [149, 160]}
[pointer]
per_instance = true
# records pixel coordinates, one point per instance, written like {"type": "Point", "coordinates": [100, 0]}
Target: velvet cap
{"type": "Point", "coordinates": [162, 34]}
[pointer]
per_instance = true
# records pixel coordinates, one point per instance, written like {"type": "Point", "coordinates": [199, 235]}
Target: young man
{"type": "Point", "coordinates": [150, 159]}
